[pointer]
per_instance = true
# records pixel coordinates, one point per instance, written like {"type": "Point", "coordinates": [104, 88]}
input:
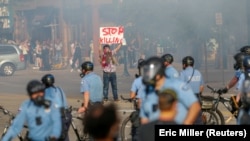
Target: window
{"type": "Point", "coordinates": [7, 50]}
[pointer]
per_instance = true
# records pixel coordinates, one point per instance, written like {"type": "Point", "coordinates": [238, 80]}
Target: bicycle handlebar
{"type": "Point", "coordinates": [215, 90]}
{"type": "Point", "coordinates": [127, 99]}
{"type": "Point", "coordinates": [7, 112]}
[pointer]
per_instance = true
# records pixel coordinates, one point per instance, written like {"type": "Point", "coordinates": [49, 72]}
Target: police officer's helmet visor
{"type": "Point", "coordinates": [149, 73]}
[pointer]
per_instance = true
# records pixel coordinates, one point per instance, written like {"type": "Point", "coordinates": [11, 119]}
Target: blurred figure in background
{"type": "Point", "coordinates": [102, 122]}
{"type": "Point", "coordinates": [77, 57]}
{"type": "Point", "coordinates": [91, 51]}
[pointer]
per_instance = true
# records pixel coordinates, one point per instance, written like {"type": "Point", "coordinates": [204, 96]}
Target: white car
{"type": "Point", "coordinates": [11, 59]}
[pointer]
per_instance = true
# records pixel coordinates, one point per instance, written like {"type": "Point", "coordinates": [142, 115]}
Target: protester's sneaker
{"type": "Point", "coordinates": [71, 70]}
{"type": "Point", "coordinates": [105, 99]}
{"type": "Point", "coordinates": [78, 70]}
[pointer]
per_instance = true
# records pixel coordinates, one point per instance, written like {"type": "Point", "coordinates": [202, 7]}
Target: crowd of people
{"type": "Point", "coordinates": [165, 97]}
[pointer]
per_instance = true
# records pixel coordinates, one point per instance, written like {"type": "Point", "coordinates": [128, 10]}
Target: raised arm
{"type": "Point", "coordinates": [118, 47]}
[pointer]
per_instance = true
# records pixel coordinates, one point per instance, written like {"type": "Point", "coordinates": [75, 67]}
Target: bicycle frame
{"type": "Point", "coordinates": [11, 118]}
{"type": "Point", "coordinates": [129, 117]}
{"type": "Point", "coordinates": [80, 137]}
{"type": "Point", "coordinates": [224, 101]}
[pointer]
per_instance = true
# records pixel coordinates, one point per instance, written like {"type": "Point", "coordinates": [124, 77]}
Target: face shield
{"type": "Point", "coordinates": [149, 73]}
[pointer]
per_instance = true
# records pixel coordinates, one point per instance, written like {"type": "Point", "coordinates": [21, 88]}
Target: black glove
{"type": "Point", "coordinates": [223, 90]}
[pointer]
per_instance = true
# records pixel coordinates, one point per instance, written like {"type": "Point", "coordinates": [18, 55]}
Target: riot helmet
{"type": "Point", "coordinates": [168, 58]}
{"type": "Point", "coordinates": [245, 49]}
{"type": "Point", "coordinates": [48, 80]}
{"type": "Point", "coordinates": [238, 57]}
{"type": "Point", "coordinates": [35, 86]}
{"type": "Point", "coordinates": [152, 67]}
{"type": "Point", "coordinates": [140, 64]}
{"type": "Point", "coordinates": [188, 61]}
{"type": "Point", "coordinates": [246, 62]}
{"type": "Point", "coordinates": [88, 66]}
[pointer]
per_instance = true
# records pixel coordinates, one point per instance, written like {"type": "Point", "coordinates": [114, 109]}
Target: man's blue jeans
{"type": "Point", "coordinates": [109, 77]}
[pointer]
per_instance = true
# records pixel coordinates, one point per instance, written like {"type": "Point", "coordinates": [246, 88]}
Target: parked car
{"type": "Point", "coordinates": [11, 59]}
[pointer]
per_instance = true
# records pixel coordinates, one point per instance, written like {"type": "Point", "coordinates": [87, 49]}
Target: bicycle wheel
{"type": "Point", "coordinates": [126, 129]}
{"type": "Point", "coordinates": [77, 128]}
{"type": "Point", "coordinates": [5, 119]}
{"type": "Point", "coordinates": [220, 117]}
{"type": "Point", "coordinates": [209, 118]}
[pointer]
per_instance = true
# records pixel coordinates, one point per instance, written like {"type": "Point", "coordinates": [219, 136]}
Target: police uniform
{"type": "Point", "coordinates": [240, 82]}
{"type": "Point", "coordinates": [240, 87]}
{"type": "Point", "coordinates": [194, 78]}
{"type": "Point", "coordinates": [137, 85]}
{"type": "Point", "coordinates": [238, 73]}
{"type": "Point", "coordinates": [42, 122]}
{"type": "Point", "coordinates": [92, 83]}
{"type": "Point", "coordinates": [185, 96]}
{"type": "Point", "coordinates": [171, 72]}
{"type": "Point", "coordinates": [57, 96]}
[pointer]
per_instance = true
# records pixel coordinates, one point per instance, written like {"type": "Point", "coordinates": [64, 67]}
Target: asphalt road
{"type": "Point", "coordinates": [13, 89]}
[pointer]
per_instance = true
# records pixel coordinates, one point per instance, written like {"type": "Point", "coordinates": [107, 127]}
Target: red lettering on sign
{"type": "Point", "coordinates": [121, 30]}
{"type": "Point", "coordinates": [109, 30]}
{"type": "Point", "coordinates": [110, 40]}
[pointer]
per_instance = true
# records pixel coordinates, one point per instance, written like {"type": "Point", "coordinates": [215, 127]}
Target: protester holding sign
{"type": "Point", "coordinates": [110, 35]}
{"type": "Point", "coordinates": [108, 63]}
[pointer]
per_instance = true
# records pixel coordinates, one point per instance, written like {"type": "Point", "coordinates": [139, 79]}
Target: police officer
{"type": "Point", "coordinates": [137, 83]}
{"type": "Point", "coordinates": [238, 57]}
{"type": "Point", "coordinates": [58, 97]}
{"type": "Point", "coordinates": [244, 82]}
{"type": "Point", "coordinates": [137, 86]}
{"type": "Point", "coordinates": [54, 93]}
{"type": "Point", "coordinates": [42, 118]}
{"type": "Point", "coordinates": [192, 77]}
{"type": "Point", "coordinates": [155, 80]}
{"type": "Point", "coordinates": [170, 70]}
{"type": "Point", "coordinates": [91, 87]}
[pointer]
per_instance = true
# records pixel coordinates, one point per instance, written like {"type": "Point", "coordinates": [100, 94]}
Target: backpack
{"type": "Point", "coordinates": [66, 120]}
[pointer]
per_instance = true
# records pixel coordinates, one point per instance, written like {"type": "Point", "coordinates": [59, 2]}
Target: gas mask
{"type": "Point", "coordinates": [38, 101]}
{"type": "Point", "coordinates": [236, 66]}
{"type": "Point", "coordinates": [81, 75]}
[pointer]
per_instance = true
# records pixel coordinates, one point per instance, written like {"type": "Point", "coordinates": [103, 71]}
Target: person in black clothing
{"type": "Point", "coordinates": [76, 57]}
{"type": "Point", "coordinates": [168, 110]}
{"type": "Point", "coordinates": [45, 58]}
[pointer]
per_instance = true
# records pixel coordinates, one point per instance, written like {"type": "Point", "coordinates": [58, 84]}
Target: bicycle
{"type": "Point", "coordinates": [7, 119]}
{"type": "Point", "coordinates": [129, 125]}
{"type": "Point", "coordinates": [230, 104]}
{"type": "Point", "coordinates": [77, 126]}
